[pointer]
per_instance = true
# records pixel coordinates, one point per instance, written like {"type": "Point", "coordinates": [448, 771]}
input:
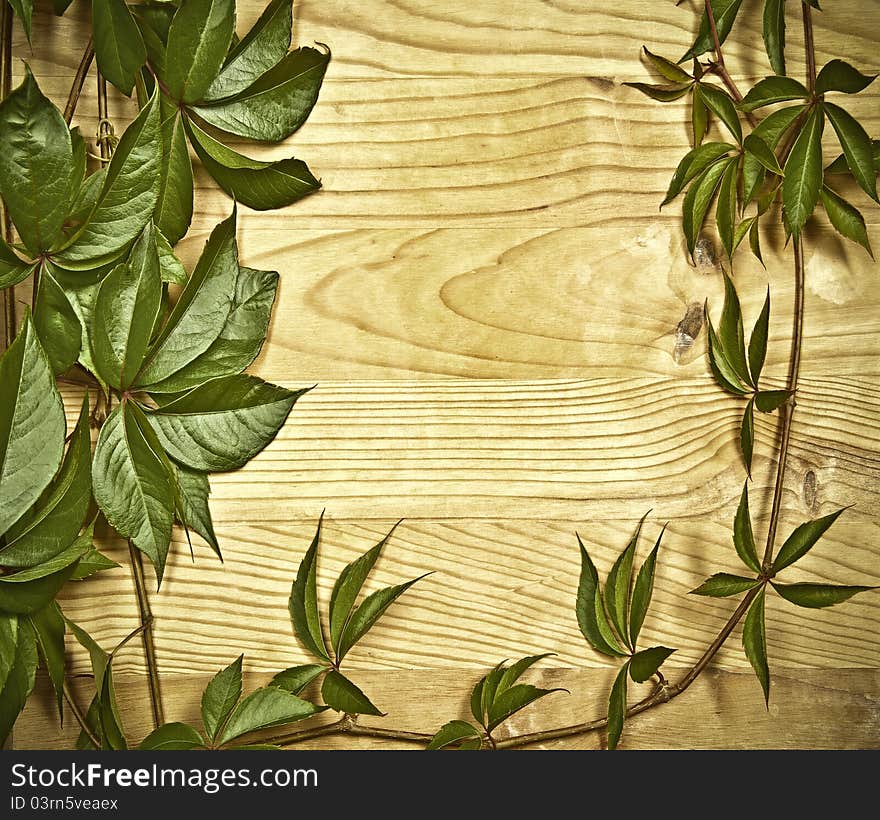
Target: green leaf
{"type": "Point", "coordinates": [721, 104]}
{"type": "Point", "coordinates": [754, 642]}
{"type": "Point", "coordinates": [666, 68]}
{"type": "Point", "coordinates": [803, 173]}
{"type": "Point", "coordinates": [755, 245]}
{"type": "Point", "coordinates": [802, 540]}
{"type": "Point", "coordinates": [769, 400]}
{"type": "Point", "coordinates": [56, 323]}
{"type": "Point", "coordinates": [240, 340]}
{"type": "Point", "coordinates": [220, 697]}
{"type": "Point", "coordinates": [170, 267]}
{"type": "Point", "coordinates": [694, 162]}
{"type": "Point", "coordinates": [303, 603]}
{"type": "Point", "coordinates": [590, 613]}
{"type": "Point", "coordinates": [642, 592]}
{"type": "Point", "coordinates": [172, 736]}
{"type": "Point", "coordinates": [90, 564]}
{"type": "Point", "coordinates": [297, 678]}
{"type": "Point", "coordinates": [698, 199]}
{"type": "Point", "coordinates": [773, 90]}
{"type": "Point", "coordinates": [341, 694]}
{"type": "Point", "coordinates": [762, 152]}
{"type": "Point", "coordinates": [477, 701]}
{"type": "Point", "coordinates": [201, 311]}
{"type": "Point", "coordinates": [31, 589]}
{"type": "Point", "coordinates": [19, 680]}
{"type": "Point", "coordinates": [259, 185]}
{"type": "Point", "coordinates": [126, 310]}
{"type": "Point", "coordinates": [510, 701]}
{"type": "Point", "coordinates": [770, 130]}
{"type": "Point", "coordinates": [258, 51]}
{"type": "Point", "coordinates": [224, 423]}
{"type": "Point", "coordinates": [367, 613]}
{"type": "Point", "coordinates": [644, 664]}
{"type": "Point", "coordinates": [774, 34]}
{"type": "Point", "coordinates": [277, 104]}
{"type": "Point", "coordinates": [857, 148]}
{"type": "Point", "coordinates": [840, 166]}
{"type": "Point", "coordinates": [721, 368]}
{"type": "Point", "coordinates": [837, 75]}
{"type": "Point", "coordinates": [725, 213]}
{"type": "Point", "coordinates": [129, 193]}
{"type": "Point", "coordinates": [619, 584]}
{"type": "Point", "coordinates": [119, 48]}
{"type": "Point", "coordinates": [816, 596]}
{"type": "Point", "coordinates": [36, 165]}
{"type": "Point", "coordinates": [154, 21]}
{"type": "Point", "coordinates": [49, 627]}
{"type": "Point", "coordinates": [195, 514]}
{"type": "Point", "coordinates": [724, 12]}
{"type": "Point", "coordinates": [699, 116]}
{"type": "Point", "coordinates": [730, 332]}
{"type": "Point", "coordinates": [723, 585]}
{"type": "Point", "coordinates": [198, 40]}
{"type": "Point", "coordinates": [348, 586]}
{"type": "Point", "coordinates": [453, 732]}
{"type": "Point", "coordinates": [132, 485]}
{"type": "Point", "coordinates": [845, 218]}
{"type": "Point", "coordinates": [514, 672]}
{"type": "Point", "coordinates": [742, 229]}
{"type": "Point", "coordinates": [8, 643]}
{"type": "Point", "coordinates": [174, 206]}
{"type": "Point", "coordinates": [266, 707]}
{"type": "Point", "coordinates": [743, 537]}
{"type": "Point", "coordinates": [32, 424]}
{"type": "Point", "coordinates": [747, 435]}
{"type": "Point", "coordinates": [617, 707]}
{"type": "Point", "coordinates": [13, 269]}
{"type": "Point", "coordinates": [24, 10]}
{"type": "Point", "coordinates": [661, 93]}
{"type": "Point", "coordinates": [758, 340]}
{"type": "Point", "coordinates": [57, 517]}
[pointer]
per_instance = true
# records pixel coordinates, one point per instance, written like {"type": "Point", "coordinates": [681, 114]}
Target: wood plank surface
{"type": "Point", "coordinates": [507, 344]}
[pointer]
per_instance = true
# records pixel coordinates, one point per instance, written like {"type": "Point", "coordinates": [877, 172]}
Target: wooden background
{"type": "Point", "coordinates": [500, 325]}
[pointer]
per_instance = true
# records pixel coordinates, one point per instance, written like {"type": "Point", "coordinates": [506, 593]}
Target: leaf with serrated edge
{"type": "Point", "coordinates": [837, 75]}
{"type": "Point", "coordinates": [768, 401]}
{"type": "Point", "coordinates": [195, 514]}
{"type": "Point", "coordinates": [721, 368]}
{"type": "Point", "coordinates": [174, 206]}
{"type": "Point", "coordinates": [772, 90]}
{"type": "Point", "coordinates": [747, 435]}
{"type": "Point", "coordinates": [297, 678]}
{"type": "Point", "coordinates": [642, 592]}
{"type": "Point", "coordinates": [770, 130]}
{"type": "Point", "coordinates": [56, 323]}
{"type": "Point", "coordinates": [774, 34]}
{"type": "Point", "coordinates": [49, 627]}
{"type": "Point", "coordinates": [266, 707]}
{"type": "Point", "coordinates": [514, 672]}
{"type": "Point", "coordinates": [723, 585]}
{"type": "Point", "coordinates": [758, 340]}
{"type": "Point", "coordinates": [644, 664]}
{"type": "Point", "coordinates": [857, 148]}
{"type": "Point", "coordinates": [512, 700]}
{"type": "Point", "coordinates": [725, 211]}
{"type": "Point", "coordinates": [672, 72]}
{"type": "Point", "coordinates": [617, 707]}
{"type": "Point", "coordinates": [453, 732]}
{"type": "Point", "coordinates": [340, 694]}
{"type": "Point", "coordinates": [695, 161]}
{"type": "Point", "coordinates": [589, 608]}
{"type": "Point", "coordinates": [724, 13]}
{"type": "Point", "coordinates": [172, 736]}
{"type": "Point", "coordinates": [619, 584]}
{"type": "Point", "coordinates": [754, 642]}
{"type": "Point", "coordinates": [220, 697]}
{"type": "Point", "coordinates": [845, 219]}
{"type": "Point", "coordinates": [802, 540]}
{"type": "Point", "coordinates": [743, 537]}
{"type": "Point", "coordinates": [817, 596]}
{"type": "Point", "coordinates": [119, 48]}
{"type": "Point", "coordinates": [303, 603]}
{"type": "Point", "coordinates": [698, 199]}
{"type": "Point", "coordinates": [803, 173]}
{"type": "Point", "coordinates": [19, 679]}
{"type": "Point", "coordinates": [721, 104]}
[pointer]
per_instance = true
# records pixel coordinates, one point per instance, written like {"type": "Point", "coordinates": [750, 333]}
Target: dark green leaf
{"type": "Point", "coordinates": [258, 51]}
{"type": "Point", "coordinates": [769, 400]}
{"type": "Point", "coordinates": [694, 162]}
{"type": "Point", "coordinates": [698, 199]}
{"type": "Point", "coordinates": [49, 627]}
{"type": "Point", "coordinates": [743, 537]}
{"type": "Point", "coordinates": [617, 707]}
{"type": "Point", "coordinates": [90, 564]}
{"type": "Point", "coordinates": [754, 642]}
{"type": "Point", "coordinates": [758, 340]}
{"type": "Point", "coordinates": [266, 707]}
{"type": "Point", "coordinates": [723, 585]}
{"type": "Point", "coordinates": [220, 697]}
{"type": "Point", "coordinates": [477, 701]}
{"type": "Point", "coordinates": [154, 21]}
{"type": "Point", "coordinates": [201, 311]}
{"type": "Point", "coordinates": [32, 424]}
{"type": "Point", "coordinates": [816, 596]}
{"type": "Point", "coordinates": [742, 229]}
{"type": "Point", "coordinates": [277, 104]}
{"type": "Point", "coordinates": [241, 338]}
{"type": "Point", "coordinates": [510, 701]}
{"type": "Point", "coordinates": [13, 269]}
{"type": "Point", "coordinates": [56, 323]}
{"type": "Point", "coordinates": [590, 612]}
{"type": "Point", "coordinates": [803, 173]}
{"type": "Point", "coordinates": [836, 75]}
{"type": "Point", "coordinates": [341, 694]}
{"type": "Point", "coordinates": [20, 678]}
{"type": "Point", "coordinates": [367, 613]}
{"type": "Point", "coordinates": [119, 47]}
{"type": "Point", "coordinates": [840, 166]}
{"type": "Point", "coordinates": [699, 116]}
{"type": "Point", "coordinates": [126, 310]}
{"type": "Point", "coordinates": [36, 165]}
{"type": "Point", "coordinates": [845, 218]}
{"type": "Point", "coordinates": [644, 664]}
{"type": "Point", "coordinates": [661, 93]}
{"type": "Point", "coordinates": [725, 212]}
{"type": "Point", "coordinates": [198, 40]}
{"type": "Point", "coordinates": [772, 90]}
{"type": "Point", "coordinates": [57, 517]}
{"type": "Point", "coordinates": [195, 513]}
{"type": "Point", "coordinates": [514, 672]}
{"type": "Point", "coordinates": [172, 736]}
{"type": "Point", "coordinates": [303, 603]}
{"type": "Point", "coordinates": [730, 332]}
{"type": "Point", "coordinates": [619, 584]}
{"type": "Point", "coordinates": [755, 245]}
{"type": "Point", "coordinates": [8, 642]}
{"type": "Point", "coordinates": [771, 131]}
{"type": "Point", "coordinates": [24, 10]}
{"type": "Point", "coordinates": [724, 12]}
{"type": "Point", "coordinates": [721, 104]}
{"type": "Point", "coordinates": [857, 148]}
{"type": "Point", "coordinates": [297, 678]}
{"type": "Point", "coordinates": [774, 34]}
{"type": "Point", "coordinates": [132, 485]}
{"type": "Point", "coordinates": [721, 368]}
{"type": "Point", "coordinates": [755, 145]}
{"type": "Point", "coordinates": [453, 732]}
{"type": "Point", "coordinates": [747, 435]}
{"type": "Point", "coordinates": [666, 68]}
{"type": "Point", "coordinates": [259, 185]}
{"type": "Point", "coordinates": [223, 424]}
{"type": "Point", "coordinates": [802, 540]}
{"type": "Point", "coordinates": [642, 592]}
{"type": "Point", "coordinates": [170, 267]}
{"type": "Point", "coordinates": [174, 207]}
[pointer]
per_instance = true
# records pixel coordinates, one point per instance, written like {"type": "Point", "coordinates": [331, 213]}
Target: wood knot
{"type": "Point", "coordinates": [705, 255]}
{"type": "Point", "coordinates": [687, 331]}
{"type": "Point", "coordinates": [810, 490]}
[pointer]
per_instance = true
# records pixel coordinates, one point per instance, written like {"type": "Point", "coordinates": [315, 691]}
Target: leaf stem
{"type": "Point", "coordinates": [105, 129]}
{"type": "Point", "coordinates": [809, 47]}
{"type": "Point", "coordinates": [720, 68]}
{"type": "Point", "coordinates": [79, 80]}
{"type": "Point", "coordinates": [146, 618]}
{"type": "Point", "coordinates": [78, 714]}
{"type": "Point", "coordinates": [5, 220]}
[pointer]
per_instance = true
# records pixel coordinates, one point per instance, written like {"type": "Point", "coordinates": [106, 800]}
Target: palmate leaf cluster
{"type": "Point", "coordinates": [161, 350]}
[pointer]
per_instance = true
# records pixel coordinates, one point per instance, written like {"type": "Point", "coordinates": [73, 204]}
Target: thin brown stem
{"type": "Point", "coordinates": [809, 46]}
{"type": "Point", "coordinates": [719, 68]}
{"type": "Point", "coordinates": [299, 735]}
{"type": "Point", "coordinates": [146, 618]}
{"type": "Point", "coordinates": [347, 725]}
{"type": "Point", "coordinates": [5, 220]}
{"type": "Point", "coordinates": [79, 80]}
{"type": "Point", "coordinates": [78, 714]}
{"type": "Point", "coordinates": [105, 130]}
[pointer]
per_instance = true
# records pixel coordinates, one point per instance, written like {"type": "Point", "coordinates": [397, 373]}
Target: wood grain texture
{"type": "Point", "coordinates": [508, 347]}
